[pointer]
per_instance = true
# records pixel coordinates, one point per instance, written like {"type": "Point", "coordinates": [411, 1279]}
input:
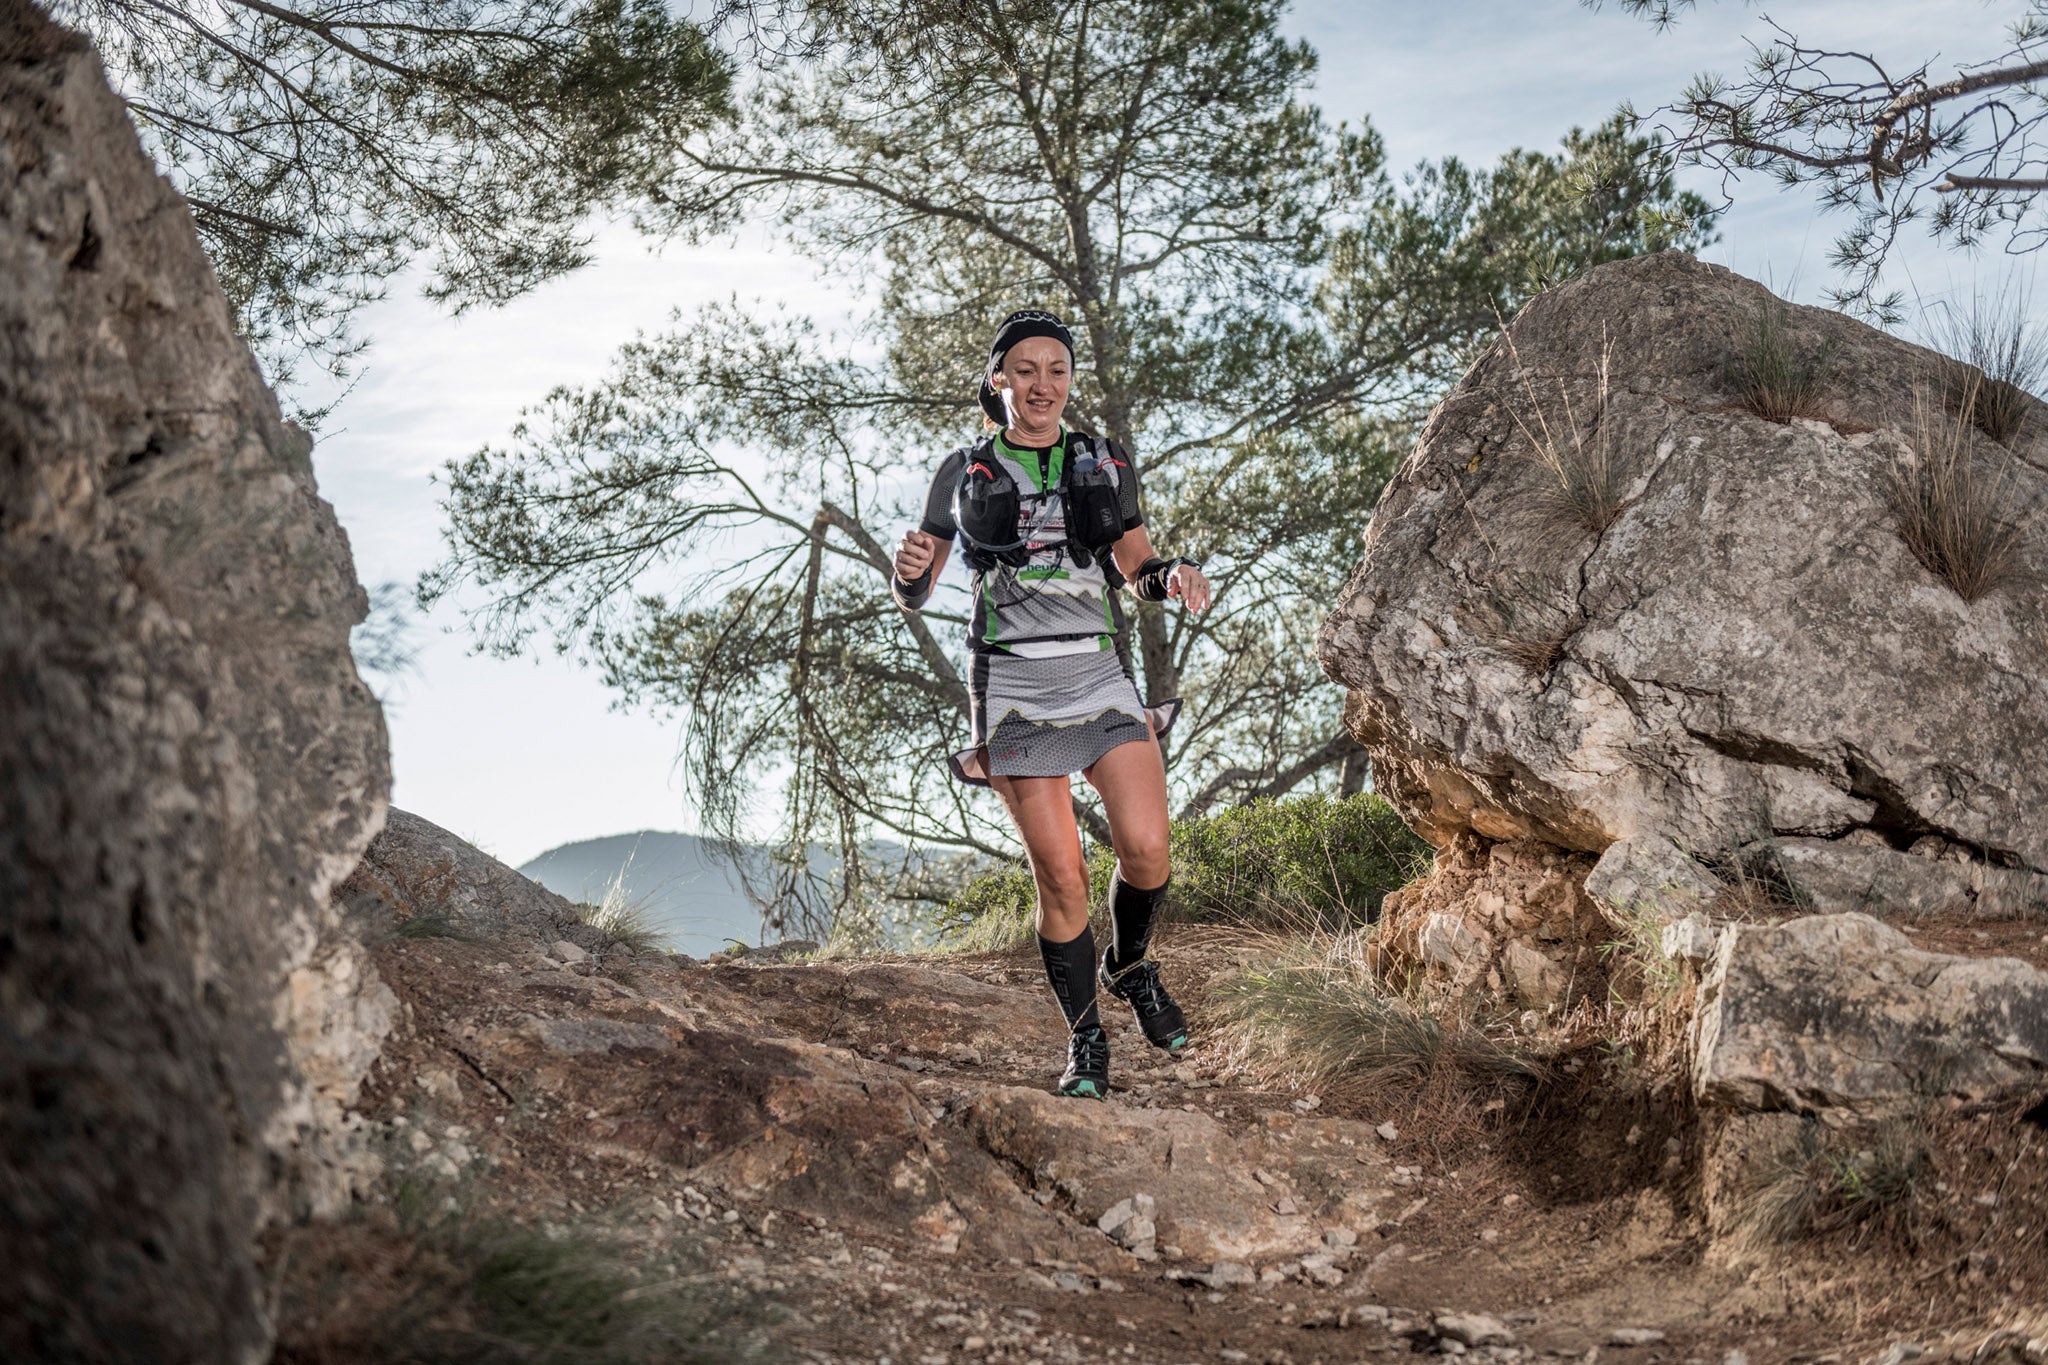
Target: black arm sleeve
{"type": "Point", "coordinates": [938, 502]}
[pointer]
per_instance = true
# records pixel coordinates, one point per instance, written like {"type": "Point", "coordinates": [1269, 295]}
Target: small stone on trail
{"type": "Point", "coordinates": [1900, 1353]}
{"type": "Point", "coordinates": [561, 950]}
{"type": "Point", "coordinates": [1634, 1336]}
{"type": "Point", "coordinates": [1388, 1132]}
{"type": "Point", "coordinates": [1340, 1237]}
{"type": "Point", "coordinates": [1224, 1274]}
{"type": "Point", "coordinates": [1472, 1329]}
{"type": "Point", "coordinates": [1285, 1206]}
{"type": "Point", "coordinates": [1069, 1281]}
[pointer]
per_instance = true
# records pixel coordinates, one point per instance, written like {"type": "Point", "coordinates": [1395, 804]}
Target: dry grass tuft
{"type": "Point", "coordinates": [1995, 356]}
{"type": "Point", "coordinates": [1825, 1182]}
{"type": "Point", "coordinates": [1964, 520]}
{"type": "Point", "coordinates": [1775, 378]}
{"type": "Point", "coordinates": [452, 1287]}
{"type": "Point", "coordinates": [1317, 1019]}
{"type": "Point", "coordinates": [622, 919]}
{"type": "Point", "coordinates": [1589, 477]}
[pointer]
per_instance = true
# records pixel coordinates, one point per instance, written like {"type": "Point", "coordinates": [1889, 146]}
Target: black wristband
{"type": "Point", "coordinates": [913, 595]}
{"type": "Point", "coordinates": [1149, 583]}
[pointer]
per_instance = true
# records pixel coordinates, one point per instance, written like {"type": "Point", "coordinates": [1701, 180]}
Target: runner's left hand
{"type": "Point", "coordinates": [1188, 584]}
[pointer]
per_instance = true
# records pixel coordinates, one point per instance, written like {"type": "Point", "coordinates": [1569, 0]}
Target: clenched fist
{"type": "Point", "coordinates": [914, 555]}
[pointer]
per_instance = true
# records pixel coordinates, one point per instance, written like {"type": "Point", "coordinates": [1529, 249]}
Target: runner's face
{"type": "Point", "coordinates": [1035, 377]}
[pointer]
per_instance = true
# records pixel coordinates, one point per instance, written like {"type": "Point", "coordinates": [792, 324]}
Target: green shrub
{"type": "Point", "coordinates": [1307, 862]}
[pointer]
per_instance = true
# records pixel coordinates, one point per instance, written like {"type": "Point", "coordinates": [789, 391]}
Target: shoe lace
{"type": "Point", "coordinates": [1088, 1049]}
{"type": "Point", "coordinates": [1141, 987]}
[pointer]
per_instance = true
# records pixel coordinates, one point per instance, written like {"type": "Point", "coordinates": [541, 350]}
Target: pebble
{"type": "Point", "coordinates": [1634, 1336]}
{"type": "Point", "coordinates": [1069, 1281]}
{"type": "Point", "coordinates": [1340, 1237]}
{"type": "Point", "coordinates": [1224, 1274]}
{"type": "Point", "coordinates": [1900, 1352]}
{"type": "Point", "coordinates": [1388, 1132]}
{"type": "Point", "coordinates": [1472, 1329]}
{"type": "Point", "coordinates": [1285, 1206]}
{"type": "Point", "coordinates": [561, 950]}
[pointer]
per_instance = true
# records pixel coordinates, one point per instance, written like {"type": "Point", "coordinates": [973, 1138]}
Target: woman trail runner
{"type": "Point", "coordinates": [1050, 524]}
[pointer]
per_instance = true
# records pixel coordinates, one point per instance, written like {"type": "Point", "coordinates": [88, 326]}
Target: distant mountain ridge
{"type": "Point", "coordinates": [690, 893]}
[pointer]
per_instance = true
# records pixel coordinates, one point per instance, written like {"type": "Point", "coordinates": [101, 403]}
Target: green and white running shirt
{"type": "Point", "coordinates": [1053, 605]}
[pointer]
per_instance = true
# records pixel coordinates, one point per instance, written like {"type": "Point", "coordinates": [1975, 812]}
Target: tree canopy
{"type": "Point", "coordinates": [324, 147]}
{"type": "Point", "coordinates": [1889, 143]}
{"type": "Point", "coordinates": [1263, 312]}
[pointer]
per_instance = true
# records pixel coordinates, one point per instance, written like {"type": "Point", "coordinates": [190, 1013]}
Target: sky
{"type": "Point", "coordinates": [520, 756]}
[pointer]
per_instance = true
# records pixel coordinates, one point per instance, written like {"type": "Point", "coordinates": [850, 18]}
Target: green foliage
{"type": "Point", "coordinates": [324, 147]}
{"type": "Point", "coordinates": [1315, 861]}
{"type": "Point", "coordinates": [1323, 1023]}
{"type": "Point", "coordinates": [1774, 374]}
{"type": "Point", "coordinates": [1308, 863]}
{"type": "Point", "coordinates": [1263, 313]}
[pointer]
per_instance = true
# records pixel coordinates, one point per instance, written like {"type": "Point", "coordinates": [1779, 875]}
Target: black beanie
{"type": "Point", "coordinates": [1019, 326]}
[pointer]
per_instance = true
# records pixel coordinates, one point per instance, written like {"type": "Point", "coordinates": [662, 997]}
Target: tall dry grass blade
{"type": "Point", "coordinates": [1589, 478]}
{"type": "Point", "coordinates": [1995, 357]}
{"type": "Point", "coordinates": [1965, 522]}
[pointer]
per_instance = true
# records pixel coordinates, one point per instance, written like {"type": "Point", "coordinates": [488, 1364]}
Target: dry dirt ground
{"type": "Point", "coordinates": [867, 1148]}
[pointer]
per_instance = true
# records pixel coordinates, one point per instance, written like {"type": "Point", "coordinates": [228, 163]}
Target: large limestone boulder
{"type": "Point", "coordinates": [1843, 1013]}
{"type": "Point", "coordinates": [1747, 652]}
{"type": "Point", "coordinates": [188, 763]}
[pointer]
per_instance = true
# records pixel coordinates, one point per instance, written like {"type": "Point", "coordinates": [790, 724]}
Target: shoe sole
{"type": "Point", "coordinates": [1083, 1090]}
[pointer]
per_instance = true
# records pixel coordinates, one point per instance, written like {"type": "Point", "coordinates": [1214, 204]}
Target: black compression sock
{"type": "Point", "coordinates": [1071, 969]}
{"type": "Point", "coordinates": [1131, 912]}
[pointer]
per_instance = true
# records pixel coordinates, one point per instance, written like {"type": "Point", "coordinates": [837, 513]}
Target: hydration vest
{"type": "Point", "coordinates": [989, 508]}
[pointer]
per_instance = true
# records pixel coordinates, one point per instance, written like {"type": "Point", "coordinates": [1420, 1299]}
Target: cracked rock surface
{"type": "Point", "coordinates": [1747, 651]}
{"type": "Point", "coordinates": [188, 764]}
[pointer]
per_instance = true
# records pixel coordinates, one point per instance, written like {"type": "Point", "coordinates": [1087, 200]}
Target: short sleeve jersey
{"type": "Point", "coordinates": [1054, 604]}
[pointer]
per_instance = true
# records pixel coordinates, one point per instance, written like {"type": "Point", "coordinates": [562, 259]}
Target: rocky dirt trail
{"type": "Point", "coordinates": [868, 1149]}
{"type": "Point", "coordinates": [872, 1145]}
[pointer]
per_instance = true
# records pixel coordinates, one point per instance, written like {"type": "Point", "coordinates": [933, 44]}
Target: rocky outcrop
{"type": "Point", "coordinates": [188, 762]}
{"type": "Point", "coordinates": [1747, 651]}
{"type": "Point", "coordinates": [414, 869]}
{"type": "Point", "coordinates": [1840, 1012]}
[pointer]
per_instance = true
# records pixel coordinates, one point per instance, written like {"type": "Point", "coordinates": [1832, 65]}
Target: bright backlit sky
{"type": "Point", "coordinates": [520, 756]}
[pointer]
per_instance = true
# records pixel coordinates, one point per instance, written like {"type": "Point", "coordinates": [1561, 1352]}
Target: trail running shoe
{"type": "Point", "coordinates": [1087, 1073]}
{"type": "Point", "coordinates": [1138, 986]}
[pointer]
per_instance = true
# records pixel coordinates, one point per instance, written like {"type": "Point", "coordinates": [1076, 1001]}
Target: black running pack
{"type": "Point", "coordinates": [990, 508]}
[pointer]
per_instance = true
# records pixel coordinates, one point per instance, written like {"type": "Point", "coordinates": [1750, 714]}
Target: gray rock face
{"type": "Point", "coordinates": [1748, 650]}
{"type": "Point", "coordinates": [188, 762]}
{"type": "Point", "coordinates": [414, 867]}
{"type": "Point", "coordinates": [1843, 1012]}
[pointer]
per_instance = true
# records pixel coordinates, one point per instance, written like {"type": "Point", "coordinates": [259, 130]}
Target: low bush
{"type": "Point", "coordinates": [1313, 862]}
{"type": "Point", "coordinates": [1774, 376]}
{"type": "Point", "coordinates": [1308, 862]}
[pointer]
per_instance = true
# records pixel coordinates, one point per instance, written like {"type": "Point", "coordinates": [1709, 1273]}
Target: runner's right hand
{"type": "Point", "coordinates": [914, 555]}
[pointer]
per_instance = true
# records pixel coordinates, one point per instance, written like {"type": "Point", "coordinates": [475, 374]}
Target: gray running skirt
{"type": "Point", "coordinates": [1049, 717]}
